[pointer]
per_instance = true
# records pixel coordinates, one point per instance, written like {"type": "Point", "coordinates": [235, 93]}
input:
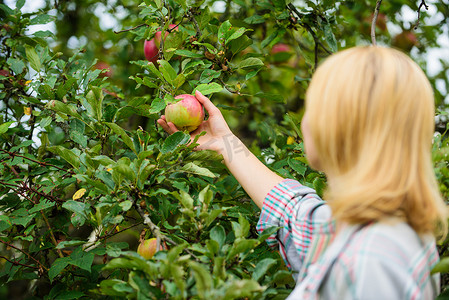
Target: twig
{"type": "Point", "coordinates": [26, 253]}
{"type": "Point", "coordinates": [423, 3]}
{"type": "Point", "coordinates": [228, 88]}
{"type": "Point", "coordinates": [42, 163]}
{"type": "Point", "coordinates": [374, 22]}
{"type": "Point", "coordinates": [51, 234]}
{"type": "Point", "coordinates": [124, 30]}
{"type": "Point", "coordinates": [316, 40]}
{"type": "Point", "coordinates": [14, 262]}
{"type": "Point", "coordinates": [156, 231]}
{"type": "Point", "coordinates": [106, 236]}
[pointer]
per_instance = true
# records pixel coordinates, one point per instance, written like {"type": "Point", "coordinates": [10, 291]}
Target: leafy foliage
{"type": "Point", "coordinates": [86, 174]}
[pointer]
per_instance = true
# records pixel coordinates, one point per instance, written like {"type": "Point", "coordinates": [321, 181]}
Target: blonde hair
{"type": "Point", "coordinates": [371, 118]}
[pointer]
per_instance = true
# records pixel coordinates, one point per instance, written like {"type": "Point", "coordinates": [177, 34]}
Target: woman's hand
{"type": "Point", "coordinates": [217, 130]}
{"type": "Point", "coordinates": [253, 175]}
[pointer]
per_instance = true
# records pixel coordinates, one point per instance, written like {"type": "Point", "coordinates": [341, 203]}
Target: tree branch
{"type": "Point", "coordinates": [42, 163]}
{"type": "Point", "coordinates": [374, 22]}
{"type": "Point", "coordinates": [26, 253]}
{"type": "Point", "coordinates": [125, 30]}
{"type": "Point", "coordinates": [156, 231]}
{"type": "Point", "coordinates": [423, 3]}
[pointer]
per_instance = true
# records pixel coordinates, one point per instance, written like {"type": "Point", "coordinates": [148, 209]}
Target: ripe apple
{"type": "Point", "coordinates": [158, 35]}
{"type": "Point", "coordinates": [151, 51]}
{"type": "Point", "coordinates": [283, 53]}
{"type": "Point", "coordinates": [186, 114]}
{"type": "Point", "coordinates": [405, 40]}
{"type": "Point", "coordinates": [101, 65]}
{"type": "Point", "coordinates": [147, 248]}
{"type": "Point", "coordinates": [5, 73]}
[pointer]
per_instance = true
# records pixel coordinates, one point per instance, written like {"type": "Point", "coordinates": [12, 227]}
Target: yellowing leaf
{"type": "Point", "coordinates": [79, 193]}
{"type": "Point", "coordinates": [290, 140]}
{"type": "Point", "coordinates": [27, 82]}
{"type": "Point", "coordinates": [27, 110]}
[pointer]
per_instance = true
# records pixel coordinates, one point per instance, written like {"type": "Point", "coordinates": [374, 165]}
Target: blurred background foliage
{"type": "Point", "coordinates": [86, 174]}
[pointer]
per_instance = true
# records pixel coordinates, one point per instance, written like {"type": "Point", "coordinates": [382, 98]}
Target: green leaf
{"type": "Point", "coordinates": [203, 279]}
{"type": "Point", "coordinates": [61, 107]}
{"type": "Point", "coordinates": [298, 166]}
{"type": "Point", "coordinates": [82, 259]}
{"type": "Point", "coordinates": [242, 288]}
{"type": "Point", "coordinates": [238, 33]}
{"type": "Point", "coordinates": [177, 138]}
{"type": "Point", "coordinates": [218, 234]}
{"type": "Point", "coordinates": [66, 154]}
{"type": "Point", "coordinates": [42, 19]}
{"type": "Point", "coordinates": [95, 99]}
{"type": "Point", "coordinates": [195, 169]}
{"type": "Point", "coordinates": [5, 126]}
{"type": "Point", "coordinates": [185, 199]}
{"type": "Point", "coordinates": [122, 133]}
{"type": "Point", "coordinates": [330, 37]}
{"type": "Point", "coordinates": [125, 170]}
{"type": "Point", "coordinates": [250, 62]}
{"type": "Point", "coordinates": [155, 71]}
{"type": "Point", "coordinates": [69, 295]}
{"type": "Point", "coordinates": [209, 88]}
{"type": "Point", "coordinates": [271, 97]}
{"type": "Point", "coordinates": [65, 244]}
{"type": "Point", "coordinates": [223, 31]}
{"type": "Point", "coordinates": [42, 205]}
{"type": "Point", "coordinates": [16, 65]}
{"type": "Point", "coordinates": [77, 132]}
{"type": "Point", "coordinates": [255, 19]}
{"type": "Point", "coordinates": [115, 287]}
{"type": "Point", "coordinates": [167, 71]}
{"type": "Point", "coordinates": [77, 207]}
{"type": "Point", "coordinates": [57, 266]}
{"type": "Point", "coordinates": [262, 268]}
{"type": "Point", "coordinates": [5, 223]}
{"type": "Point", "coordinates": [187, 53]}
{"type": "Point", "coordinates": [442, 266]}
{"type": "Point", "coordinates": [33, 58]}
{"type": "Point", "coordinates": [208, 75]}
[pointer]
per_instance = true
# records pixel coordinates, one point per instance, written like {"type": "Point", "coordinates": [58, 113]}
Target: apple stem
{"type": "Point", "coordinates": [373, 24]}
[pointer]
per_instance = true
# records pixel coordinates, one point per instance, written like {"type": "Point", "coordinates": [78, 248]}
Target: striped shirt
{"type": "Point", "coordinates": [383, 260]}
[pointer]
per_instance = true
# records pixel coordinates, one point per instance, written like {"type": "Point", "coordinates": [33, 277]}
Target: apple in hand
{"type": "Point", "coordinates": [186, 114]}
{"type": "Point", "coordinates": [147, 248]}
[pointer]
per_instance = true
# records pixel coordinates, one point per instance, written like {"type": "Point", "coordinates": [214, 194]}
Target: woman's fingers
{"type": "Point", "coordinates": [208, 105]}
{"type": "Point", "coordinates": [169, 127]}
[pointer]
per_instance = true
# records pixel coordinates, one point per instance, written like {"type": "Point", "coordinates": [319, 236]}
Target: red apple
{"type": "Point", "coordinates": [5, 73]}
{"type": "Point", "coordinates": [282, 53]}
{"type": "Point", "coordinates": [147, 248]}
{"type": "Point", "coordinates": [405, 40]}
{"type": "Point", "coordinates": [186, 114]}
{"type": "Point", "coordinates": [101, 65]}
{"type": "Point", "coordinates": [157, 36]}
{"type": "Point", "coordinates": [151, 51]}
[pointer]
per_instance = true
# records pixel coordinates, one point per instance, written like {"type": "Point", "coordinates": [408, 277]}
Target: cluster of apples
{"type": "Point", "coordinates": [186, 114]}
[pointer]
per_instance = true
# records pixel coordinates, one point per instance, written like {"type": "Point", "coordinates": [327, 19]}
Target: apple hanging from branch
{"type": "Point", "coordinates": [151, 47]}
{"type": "Point", "coordinates": [147, 248]}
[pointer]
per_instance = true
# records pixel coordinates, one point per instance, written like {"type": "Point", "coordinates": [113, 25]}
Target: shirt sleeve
{"type": "Point", "coordinates": [297, 210]}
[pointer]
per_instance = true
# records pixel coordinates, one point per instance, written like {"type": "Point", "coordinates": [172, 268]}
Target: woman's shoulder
{"type": "Point", "coordinates": [393, 242]}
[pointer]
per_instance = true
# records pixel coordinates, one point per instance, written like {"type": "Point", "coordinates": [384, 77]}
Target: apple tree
{"type": "Point", "coordinates": [87, 175]}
